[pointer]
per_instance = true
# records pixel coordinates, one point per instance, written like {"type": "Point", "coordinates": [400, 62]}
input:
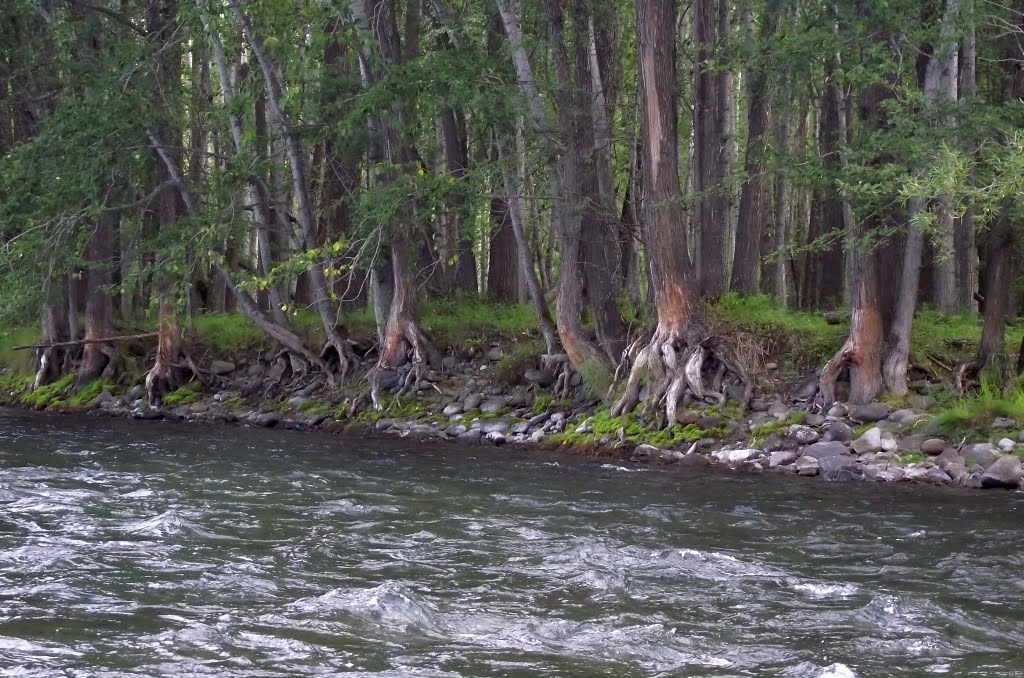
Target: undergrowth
{"type": "Point", "coordinates": [972, 415]}
{"type": "Point", "coordinates": [602, 426]}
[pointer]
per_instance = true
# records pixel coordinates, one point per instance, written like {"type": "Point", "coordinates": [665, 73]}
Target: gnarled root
{"type": "Point", "coordinates": [672, 366]}
{"type": "Point", "coordinates": [415, 350]}
{"type": "Point", "coordinates": [339, 359]}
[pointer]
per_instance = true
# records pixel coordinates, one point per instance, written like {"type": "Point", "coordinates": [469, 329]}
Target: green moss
{"type": "Point", "coordinates": [86, 396]}
{"type": "Point", "coordinates": [911, 457]}
{"type": "Point", "coordinates": [760, 432]}
{"type": "Point", "coordinates": [49, 395]}
{"type": "Point", "coordinates": [184, 395]}
{"type": "Point", "coordinates": [545, 402]}
{"type": "Point", "coordinates": [603, 425]}
{"type": "Point", "coordinates": [314, 407]}
{"type": "Point", "coordinates": [14, 383]}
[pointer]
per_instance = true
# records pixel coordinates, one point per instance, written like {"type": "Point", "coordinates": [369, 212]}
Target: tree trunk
{"type": "Point", "coordinates": [502, 271]}
{"type": "Point", "coordinates": [99, 322]}
{"type": "Point", "coordinates": [709, 154]}
{"type": "Point", "coordinates": [966, 247]}
{"type": "Point", "coordinates": [753, 209]}
{"type": "Point", "coordinates": [936, 94]}
{"type": "Point", "coordinates": [672, 357]}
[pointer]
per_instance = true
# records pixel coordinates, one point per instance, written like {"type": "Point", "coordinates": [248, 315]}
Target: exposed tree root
{"type": "Point", "coordinates": [408, 346]}
{"type": "Point", "coordinates": [339, 359]}
{"type": "Point", "coordinates": [672, 365]}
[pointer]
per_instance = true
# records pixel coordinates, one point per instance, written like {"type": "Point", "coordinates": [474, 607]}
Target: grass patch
{"type": "Point", "coordinates": [313, 407]}
{"type": "Point", "coordinates": [972, 415]}
{"type": "Point", "coordinates": [545, 402]}
{"type": "Point", "coordinates": [184, 395]}
{"type": "Point", "coordinates": [86, 396]}
{"type": "Point", "coordinates": [760, 432]}
{"type": "Point", "coordinates": [228, 334]}
{"type": "Point", "coordinates": [911, 457]}
{"type": "Point", "coordinates": [18, 361]}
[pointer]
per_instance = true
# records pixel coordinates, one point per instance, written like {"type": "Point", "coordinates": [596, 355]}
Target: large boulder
{"type": "Point", "coordinates": [838, 431]}
{"type": "Point", "coordinates": [1005, 472]}
{"type": "Point", "coordinates": [840, 469]}
{"type": "Point", "coordinates": [870, 441]}
{"type": "Point", "coordinates": [826, 449]}
{"type": "Point", "coordinates": [802, 435]}
{"type": "Point", "coordinates": [934, 446]}
{"type": "Point", "coordinates": [983, 454]}
{"type": "Point", "coordinates": [870, 412]}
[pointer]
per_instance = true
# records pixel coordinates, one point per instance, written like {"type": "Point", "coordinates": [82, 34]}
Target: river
{"type": "Point", "coordinates": [134, 549]}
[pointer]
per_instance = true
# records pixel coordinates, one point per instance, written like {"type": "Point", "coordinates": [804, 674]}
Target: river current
{"type": "Point", "coordinates": [131, 549]}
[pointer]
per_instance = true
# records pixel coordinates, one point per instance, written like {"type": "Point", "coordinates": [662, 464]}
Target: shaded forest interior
{"type": "Point", "coordinates": [621, 182]}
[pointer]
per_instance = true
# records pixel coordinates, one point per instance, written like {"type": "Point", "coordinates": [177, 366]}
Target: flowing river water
{"type": "Point", "coordinates": [135, 549]}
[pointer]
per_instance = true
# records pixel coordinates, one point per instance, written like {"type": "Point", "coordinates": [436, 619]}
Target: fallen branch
{"type": "Point", "coordinates": [79, 342]}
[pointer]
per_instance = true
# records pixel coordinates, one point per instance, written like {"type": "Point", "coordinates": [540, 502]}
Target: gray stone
{"type": "Point", "coordinates": [734, 392]}
{"type": "Point", "coordinates": [384, 424]}
{"type": "Point", "coordinates": [983, 454]}
{"type": "Point", "coordinates": [539, 418]}
{"type": "Point", "coordinates": [472, 401]}
{"type": "Point", "coordinates": [783, 458]}
{"type": "Point", "coordinates": [900, 416]}
{"type": "Point", "coordinates": [576, 379]}
{"type": "Point", "coordinates": [455, 430]}
{"type": "Point", "coordinates": [1020, 435]}
{"type": "Point", "coordinates": [472, 435]}
{"type": "Point", "coordinates": [452, 409]}
{"type": "Point", "coordinates": [920, 402]}
{"type": "Point", "coordinates": [870, 441]}
{"type": "Point", "coordinates": [134, 393]}
{"type": "Point", "coordinates": [103, 398]}
{"type": "Point", "coordinates": [448, 364]}
{"type": "Point", "coordinates": [694, 460]}
{"type": "Point", "coordinates": [492, 405]}
{"type": "Point", "coordinates": [806, 389]}
{"type": "Point", "coordinates": [646, 451]}
{"type": "Point", "coordinates": [815, 419]}
{"type": "Point", "coordinates": [889, 443]}
{"type": "Point", "coordinates": [758, 405]}
{"type": "Point", "coordinates": [778, 410]}
{"type": "Point", "coordinates": [1005, 472]}
{"type": "Point", "coordinates": [807, 466]}
{"type": "Point", "coordinates": [839, 469]}
{"type": "Point", "coordinates": [838, 431]}
{"type": "Point", "coordinates": [297, 401]}
{"type": "Point", "coordinates": [949, 457]}
{"type": "Point", "coordinates": [773, 443]}
{"type": "Point", "coordinates": [826, 449]}
{"type": "Point", "coordinates": [496, 437]}
{"type": "Point", "coordinates": [932, 475]}
{"type": "Point", "coordinates": [558, 416]}
{"type": "Point", "coordinates": [971, 481]}
{"type": "Point", "coordinates": [222, 367]}
{"type": "Point", "coordinates": [1006, 445]}
{"type": "Point", "coordinates": [520, 428]}
{"type": "Point", "coordinates": [737, 456]}
{"type": "Point", "coordinates": [542, 378]}
{"type": "Point", "coordinates": [1003, 423]}
{"type": "Point", "coordinates": [268, 419]}
{"type": "Point", "coordinates": [494, 354]}
{"type": "Point", "coordinates": [387, 379]}
{"type": "Point", "coordinates": [837, 410]}
{"type": "Point", "coordinates": [495, 426]}
{"type": "Point", "coordinates": [870, 412]}
{"type": "Point", "coordinates": [933, 446]}
{"type": "Point", "coordinates": [802, 435]}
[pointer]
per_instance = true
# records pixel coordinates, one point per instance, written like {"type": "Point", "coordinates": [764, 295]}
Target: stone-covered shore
{"type": "Point", "coordinates": [866, 443]}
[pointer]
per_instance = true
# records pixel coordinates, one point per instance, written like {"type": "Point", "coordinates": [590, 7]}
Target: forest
{"type": "Point", "coordinates": [617, 168]}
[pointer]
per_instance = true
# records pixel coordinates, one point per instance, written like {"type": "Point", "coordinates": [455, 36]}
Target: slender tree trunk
{"type": "Point", "coordinates": [753, 209]}
{"type": "Point", "coordinates": [709, 153]}
{"type": "Point", "coordinates": [99, 323]}
{"type": "Point", "coordinates": [502, 271]}
{"type": "Point", "coordinates": [943, 71]}
{"type": "Point", "coordinates": [966, 247]}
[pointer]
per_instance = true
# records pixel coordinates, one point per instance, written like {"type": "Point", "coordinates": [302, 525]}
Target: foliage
{"type": "Point", "coordinates": [510, 369]}
{"type": "Point", "coordinates": [184, 395]}
{"type": "Point", "coordinates": [972, 415]}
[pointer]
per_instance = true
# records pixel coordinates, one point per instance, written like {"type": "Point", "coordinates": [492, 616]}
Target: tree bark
{"type": "Point", "coordinates": [753, 208]}
{"type": "Point", "coordinates": [99, 253]}
{"type": "Point", "coordinates": [966, 246]}
{"type": "Point", "coordinates": [502, 272]}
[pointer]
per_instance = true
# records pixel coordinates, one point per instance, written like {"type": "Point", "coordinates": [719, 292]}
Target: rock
{"type": "Point", "coordinates": [771, 366]}
{"type": "Point", "coordinates": [492, 405]}
{"type": "Point", "coordinates": [103, 398]}
{"type": "Point", "coordinates": [455, 430]}
{"type": "Point", "coordinates": [921, 402]}
{"type": "Point", "coordinates": [1005, 472]}
{"type": "Point", "coordinates": [773, 443]}
{"type": "Point", "coordinates": [832, 317]}
{"type": "Point", "coordinates": [826, 449]}
{"type": "Point", "coordinates": [471, 436]}
{"type": "Point", "coordinates": [932, 475]}
{"type": "Point", "coordinates": [694, 460]}
{"type": "Point", "coordinates": [494, 354]}
{"type": "Point", "coordinates": [1020, 435]}
{"type": "Point", "coordinates": [387, 379]}
{"type": "Point", "coordinates": [472, 401]}
{"type": "Point", "coordinates": [495, 437]}
{"type": "Point", "coordinates": [452, 409]}
{"type": "Point", "coordinates": [802, 435]}
{"type": "Point", "coordinates": [806, 389]}
{"type": "Point", "coordinates": [759, 405]}
{"type": "Point", "coordinates": [838, 411]}
{"type": "Point", "coordinates": [1003, 423]}
{"type": "Point", "coordinates": [576, 379]}
{"type": "Point", "coordinates": [949, 457]}
{"type": "Point", "coordinates": [971, 481]}
{"type": "Point", "coordinates": [542, 378]}
{"type": "Point", "coordinates": [384, 424]}
{"type": "Point", "coordinates": [779, 410]}
{"type": "Point", "coordinates": [495, 426]}
{"type": "Point", "coordinates": [900, 416]}
{"type": "Point", "coordinates": [934, 446]}
{"type": "Point", "coordinates": [983, 454]}
{"type": "Point", "coordinates": [735, 392]}
{"type": "Point", "coordinates": [297, 401]}
{"type": "Point", "coordinates": [709, 422]}
{"type": "Point", "coordinates": [222, 367]}
{"type": "Point", "coordinates": [840, 469]}
{"type": "Point", "coordinates": [870, 412]}
{"type": "Point", "coordinates": [806, 466]}
{"type": "Point", "coordinates": [147, 413]}
{"type": "Point", "coordinates": [889, 442]}
{"type": "Point", "coordinates": [737, 456]}
{"type": "Point", "coordinates": [783, 458]}
{"type": "Point", "coordinates": [558, 417]}
{"type": "Point", "coordinates": [838, 431]}
{"type": "Point", "coordinates": [538, 419]}
{"type": "Point", "coordinates": [815, 419]}
{"type": "Point", "coordinates": [1006, 445]}
{"type": "Point", "coordinates": [687, 417]}
{"type": "Point", "coordinates": [520, 428]}
{"type": "Point", "coordinates": [268, 419]}
{"type": "Point", "coordinates": [871, 441]}
{"type": "Point", "coordinates": [645, 451]}
{"type": "Point", "coordinates": [448, 364]}
{"type": "Point", "coordinates": [134, 393]}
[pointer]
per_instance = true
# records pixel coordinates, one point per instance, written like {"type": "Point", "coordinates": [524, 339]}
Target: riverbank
{"type": "Point", "coordinates": [491, 394]}
{"type": "Point", "coordinates": [491, 387]}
